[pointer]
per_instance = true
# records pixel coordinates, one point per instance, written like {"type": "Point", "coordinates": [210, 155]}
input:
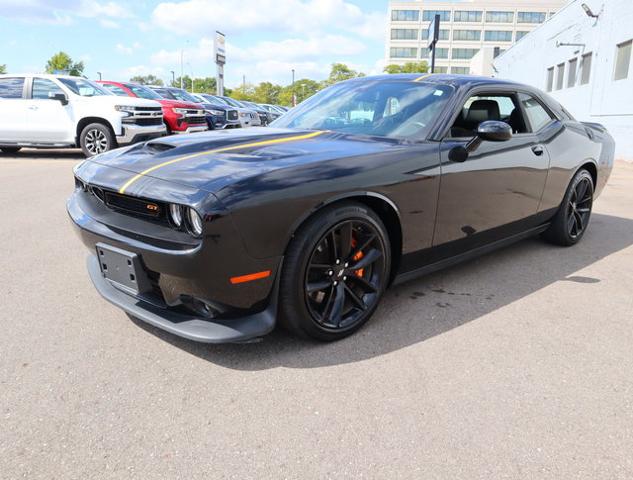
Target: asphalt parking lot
{"type": "Point", "coordinates": [515, 365]}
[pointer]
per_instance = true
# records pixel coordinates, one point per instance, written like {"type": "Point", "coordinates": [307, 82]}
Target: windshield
{"type": "Point", "coordinates": [143, 92]}
{"type": "Point", "coordinates": [394, 109]}
{"type": "Point", "coordinates": [233, 103]}
{"type": "Point", "coordinates": [182, 95]}
{"type": "Point", "coordinates": [83, 87]}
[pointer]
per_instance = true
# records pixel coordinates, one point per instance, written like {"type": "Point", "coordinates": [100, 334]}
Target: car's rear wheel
{"type": "Point", "coordinates": [572, 219]}
{"type": "Point", "coordinates": [335, 272]}
{"type": "Point", "coordinates": [96, 138]}
{"type": "Point", "coordinates": [10, 150]}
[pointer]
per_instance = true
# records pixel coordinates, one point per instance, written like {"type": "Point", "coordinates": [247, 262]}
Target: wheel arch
{"type": "Point", "coordinates": [592, 168]}
{"type": "Point", "coordinates": [384, 207]}
{"type": "Point", "coordinates": [84, 122]}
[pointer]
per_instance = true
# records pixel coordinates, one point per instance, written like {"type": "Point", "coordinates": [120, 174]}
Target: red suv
{"type": "Point", "coordinates": [179, 116]}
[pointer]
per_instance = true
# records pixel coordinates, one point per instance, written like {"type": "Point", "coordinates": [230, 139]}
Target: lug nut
{"type": "Point", "coordinates": [330, 272]}
{"type": "Point", "coordinates": [346, 264]}
{"type": "Point", "coordinates": [335, 283]}
{"type": "Point", "coordinates": [344, 278]}
{"type": "Point", "coordinates": [338, 261]}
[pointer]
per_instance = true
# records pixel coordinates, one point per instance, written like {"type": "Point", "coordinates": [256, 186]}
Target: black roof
{"type": "Point", "coordinates": [439, 78]}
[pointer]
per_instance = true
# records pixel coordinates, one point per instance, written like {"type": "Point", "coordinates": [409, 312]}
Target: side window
{"type": "Point", "coordinates": [44, 88]}
{"type": "Point", "coordinates": [536, 114]}
{"type": "Point", "coordinates": [118, 91]}
{"type": "Point", "coordinates": [480, 108]}
{"type": "Point", "coordinates": [11, 87]}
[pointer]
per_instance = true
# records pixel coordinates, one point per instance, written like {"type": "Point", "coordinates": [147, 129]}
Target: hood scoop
{"type": "Point", "coordinates": [158, 147]}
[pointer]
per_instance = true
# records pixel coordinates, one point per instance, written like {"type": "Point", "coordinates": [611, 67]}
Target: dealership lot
{"type": "Point", "coordinates": [515, 365]}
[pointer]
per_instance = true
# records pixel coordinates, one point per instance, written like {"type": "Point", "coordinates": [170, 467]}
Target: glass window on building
{"type": "Point", "coordinates": [498, 36]}
{"type": "Point", "coordinates": [403, 52]}
{"type": "Point", "coordinates": [470, 16]}
{"type": "Point", "coordinates": [560, 75]}
{"type": "Point", "coordinates": [520, 34]}
{"type": "Point", "coordinates": [424, 53]}
{"type": "Point", "coordinates": [443, 35]}
{"type": "Point", "coordinates": [404, 33]}
{"type": "Point", "coordinates": [622, 60]}
{"type": "Point", "coordinates": [536, 114]}
{"type": "Point", "coordinates": [440, 70]}
{"type": "Point", "coordinates": [464, 53]}
{"type": "Point", "coordinates": [550, 79]}
{"type": "Point", "coordinates": [530, 17]}
{"type": "Point", "coordinates": [467, 35]}
{"type": "Point", "coordinates": [460, 70]}
{"type": "Point", "coordinates": [405, 15]}
{"type": "Point", "coordinates": [571, 72]}
{"type": "Point", "coordinates": [441, 53]}
{"type": "Point", "coordinates": [500, 17]}
{"type": "Point", "coordinates": [585, 68]}
{"type": "Point", "coordinates": [429, 15]}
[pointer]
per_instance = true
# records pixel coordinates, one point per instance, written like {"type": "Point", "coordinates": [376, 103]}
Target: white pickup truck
{"type": "Point", "coordinates": [51, 111]}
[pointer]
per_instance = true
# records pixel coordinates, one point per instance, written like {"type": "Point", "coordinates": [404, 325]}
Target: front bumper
{"type": "Point", "coordinates": [184, 325]}
{"type": "Point", "coordinates": [138, 133]}
{"type": "Point", "coordinates": [193, 129]}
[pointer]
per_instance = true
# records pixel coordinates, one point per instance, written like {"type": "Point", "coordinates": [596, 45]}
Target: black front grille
{"type": "Point", "coordinates": [232, 114]}
{"type": "Point", "coordinates": [148, 122]}
{"type": "Point", "coordinates": [196, 120]}
{"type": "Point", "coordinates": [133, 205]}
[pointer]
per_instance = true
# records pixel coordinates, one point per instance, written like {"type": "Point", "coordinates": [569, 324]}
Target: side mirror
{"type": "Point", "coordinates": [60, 97]}
{"type": "Point", "coordinates": [490, 130]}
{"type": "Point", "coordinates": [494, 131]}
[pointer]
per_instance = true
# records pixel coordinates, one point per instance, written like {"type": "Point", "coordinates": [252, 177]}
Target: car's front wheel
{"type": "Point", "coordinates": [572, 219]}
{"type": "Point", "coordinates": [96, 138]}
{"type": "Point", "coordinates": [335, 272]}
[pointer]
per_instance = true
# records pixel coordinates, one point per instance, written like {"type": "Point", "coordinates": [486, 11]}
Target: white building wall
{"type": "Point", "coordinates": [603, 99]}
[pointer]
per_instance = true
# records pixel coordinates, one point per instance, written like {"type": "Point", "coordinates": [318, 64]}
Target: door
{"type": "Point", "coordinates": [500, 184]}
{"type": "Point", "coordinates": [14, 123]}
{"type": "Point", "coordinates": [51, 121]}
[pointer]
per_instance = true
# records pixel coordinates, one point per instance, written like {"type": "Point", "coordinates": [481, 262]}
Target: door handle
{"type": "Point", "coordinates": [538, 150]}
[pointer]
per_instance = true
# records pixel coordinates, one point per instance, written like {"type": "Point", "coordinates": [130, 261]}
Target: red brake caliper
{"type": "Point", "coordinates": [357, 257]}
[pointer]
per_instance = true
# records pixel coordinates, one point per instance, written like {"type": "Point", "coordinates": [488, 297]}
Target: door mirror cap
{"type": "Point", "coordinates": [494, 131]}
{"type": "Point", "coordinates": [60, 97]}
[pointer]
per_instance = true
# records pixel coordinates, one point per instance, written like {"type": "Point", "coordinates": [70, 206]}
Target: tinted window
{"type": "Point", "coordinates": [164, 93]}
{"type": "Point", "coordinates": [537, 115]}
{"type": "Point", "coordinates": [118, 91]}
{"type": "Point", "coordinates": [392, 109]}
{"type": "Point", "coordinates": [83, 87]}
{"type": "Point", "coordinates": [481, 108]}
{"type": "Point", "coordinates": [11, 87]}
{"type": "Point", "coordinates": [143, 92]}
{"type": "Point", "coordinates": [43, 88]}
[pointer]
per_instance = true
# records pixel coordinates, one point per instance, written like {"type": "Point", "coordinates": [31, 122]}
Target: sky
{"type": "Point", "coordinates": [266, 39]}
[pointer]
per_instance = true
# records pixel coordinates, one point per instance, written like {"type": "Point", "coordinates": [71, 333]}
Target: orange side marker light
{"type": "Point", "coordinates": [250, 277]}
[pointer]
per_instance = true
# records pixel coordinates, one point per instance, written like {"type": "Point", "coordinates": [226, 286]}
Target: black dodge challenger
{"type": "Point", "coordinates": [217, 236]}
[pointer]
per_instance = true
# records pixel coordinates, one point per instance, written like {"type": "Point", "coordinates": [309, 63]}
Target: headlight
{"type": "Point", "coordinates": [179, 111]}
{"type": "Point", "coordinates": [175, 214]}
{"type": "Point", "coordinates": [217, 113]}
{"type": "Point", "coordinates": [243, 114]}
{"type": "Point", "coordinates": [194, 221]}
{"type": "Point", "coordinates": [127, 110]}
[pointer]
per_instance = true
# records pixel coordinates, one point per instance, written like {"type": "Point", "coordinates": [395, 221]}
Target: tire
{"type": "Point", "coordinates": [96, 138]}
{"type": "Point", "coordinates": [572, 219]}
{"type": "Point", "coordinates": [10, 150]}
{"type": "Point", "coordinates": [328, 298]}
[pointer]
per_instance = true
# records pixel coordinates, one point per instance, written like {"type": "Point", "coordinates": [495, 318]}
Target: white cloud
{"type": "Point", "coordinates": [127, 50]}
{"type": "Point", "coordinates": [202, 16]}
{"type": "Point", "coordinates": [63, 12]}
{"type": "Point", "coordinates": [107, 23]}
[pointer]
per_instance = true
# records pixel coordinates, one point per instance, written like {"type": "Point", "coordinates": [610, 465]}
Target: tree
{"type": "Point", "coordinates": [244, 92]}
{"type": "Point", "coordinates": [340, 72]}
{"type": "Point", "coordinates": [61, 62]}
{"type": "Point", "coordinates": [267, 92]}
{"type": "Point", "coordinates": [409, 67]}
{"type": "Point", "coordinates": [3, 68]}
{"type": "Point", "coordinates": [147, 80]}
{"type": "Point", "coordinates": [304, 88]}
{"type": "Point", "coordinates": [200, 85]}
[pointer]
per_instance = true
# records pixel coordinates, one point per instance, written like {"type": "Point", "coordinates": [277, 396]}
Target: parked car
{"type": "Point", "coordinates": [189, 119]}
{"type": "Point", "coordinates": [371, 181]}
{"type": "Point", "coordinates": [264, 115]}
{"type": "Point", "coordinates": [230, 116]}
{"type": "Point", "coordinates": [50, 111]}
{"type": "Point", "coordinates": [179, 116]}
{"type": "Point", "coordinates": [214, 117]}
{"type": "Point", "coordinates": [248, 117]}
{"type": "Point", "coordinates": [274, 112]}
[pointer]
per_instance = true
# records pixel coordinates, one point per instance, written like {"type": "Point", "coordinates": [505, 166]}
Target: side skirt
{"type": "Point", "coordinates": [468, 255]}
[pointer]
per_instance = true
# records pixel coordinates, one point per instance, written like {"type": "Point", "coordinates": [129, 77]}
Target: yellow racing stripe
{"type": "Point", "coordinates": [218, 150]}
{"type": "Point", "coordinates": [419, 79]}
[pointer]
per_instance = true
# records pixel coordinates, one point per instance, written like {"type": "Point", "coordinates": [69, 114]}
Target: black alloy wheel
{"type": "Point", "coordinates": [340, 263]}
{"type": "Point", "coordinates": [572, 218]}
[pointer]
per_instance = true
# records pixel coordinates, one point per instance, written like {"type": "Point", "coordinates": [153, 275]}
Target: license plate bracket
{"type": "Point", "coordinates": [124, 269]}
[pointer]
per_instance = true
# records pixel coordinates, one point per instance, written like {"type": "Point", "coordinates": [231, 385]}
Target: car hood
{"type": "Point", "coordinates": [211, 161]}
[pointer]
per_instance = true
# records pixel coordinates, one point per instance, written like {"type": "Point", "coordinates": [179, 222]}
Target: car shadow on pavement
{"type": "Point", "coordinates": [431, 305]}
{"type": "Point", "coordinates": [45, 154]}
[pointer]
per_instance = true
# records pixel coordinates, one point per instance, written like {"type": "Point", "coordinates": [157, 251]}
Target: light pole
{"type": "Point", "coordinates": [181, 68]}
{"type": "Point", "coordinates": [99, 73]}
{"type": "Point", "coordinates": [173, 77]}
{"type": "Point", "coordinates": [294, 97]}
